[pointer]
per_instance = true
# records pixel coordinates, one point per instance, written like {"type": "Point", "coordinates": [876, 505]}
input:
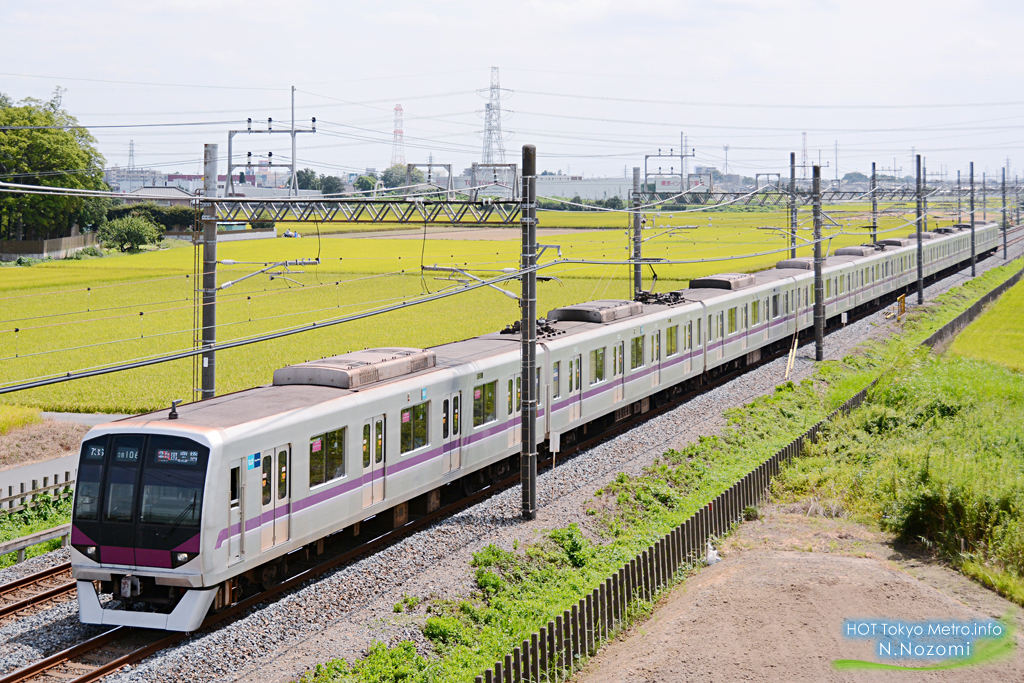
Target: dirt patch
{"type": "Point", "coordinates": [42, 441]}
{"type": "Point", "coordinates": [773, 609]}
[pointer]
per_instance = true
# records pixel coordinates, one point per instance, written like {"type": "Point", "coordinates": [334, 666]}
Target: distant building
{"type": "Point", "coordinates": [161, 196]}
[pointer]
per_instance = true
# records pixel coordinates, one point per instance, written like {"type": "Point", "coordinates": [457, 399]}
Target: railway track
{"type": "Point", "coordinates": [29, 594]}
{"type": "Point", "coordinates": [112, 650]}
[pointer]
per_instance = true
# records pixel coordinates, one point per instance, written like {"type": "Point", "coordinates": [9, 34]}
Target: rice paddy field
{"type": "Point", "coordinates": [997, 336]}
{"type": "Point", "coordinates": [62, 316]}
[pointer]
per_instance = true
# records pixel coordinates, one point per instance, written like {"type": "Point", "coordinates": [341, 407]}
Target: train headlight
{"type": "Point", "coordinates": [90, 551]}
{"type": "Point", "coordinates": [180, 558]}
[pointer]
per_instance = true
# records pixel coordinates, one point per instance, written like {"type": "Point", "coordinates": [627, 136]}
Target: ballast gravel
{"type": "Point", "coordinates": [343, 613]}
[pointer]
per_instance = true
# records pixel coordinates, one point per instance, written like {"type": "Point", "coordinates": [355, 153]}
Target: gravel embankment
{"type": "Point", "coordinates": [344, 612]}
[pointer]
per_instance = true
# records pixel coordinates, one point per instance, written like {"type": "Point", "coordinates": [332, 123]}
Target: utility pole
{"type": "Point", "coordinates": [920, 237]}
{"type": "Point", "coordinates": [874, 205]}
{"type": "Point", "coordinates": [295, 181]}
{"type": "Point", "coordinates": [209, 335]}
{"type": "Point", "coordinates": [958, 217]}
{"type": "Point", "coordinates": [984, 197]}
{"type": "Point", "coordinates": [792, 205]}
{"type": "Point", "coordinates": [528, 331]}
{"type": "Point", "coordinates": [819, 286]}
{"type": "Point", "coordinates": [1006, 255]}
{"type": "Point", "coordinates": [637, 236]}
{"type": "Point", "coordinates": [924, 193]}
{"type": "Point", "coordinates": [974, 257]}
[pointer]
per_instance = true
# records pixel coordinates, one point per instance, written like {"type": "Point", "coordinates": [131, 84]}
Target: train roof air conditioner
{"type": "Point", "coordinates": [358, 369]}
{"type": "Point", "coordinates": [597, 311]}
{"type": "Point", "coordinates": [723, 281]}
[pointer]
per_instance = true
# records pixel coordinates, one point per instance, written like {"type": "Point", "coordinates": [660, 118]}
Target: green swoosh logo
{"type": "Point", "coordinates": [986, 651]}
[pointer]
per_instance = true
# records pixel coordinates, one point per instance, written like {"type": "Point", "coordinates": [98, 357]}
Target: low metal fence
{"type": "Point", "coordinates": [556, 650]}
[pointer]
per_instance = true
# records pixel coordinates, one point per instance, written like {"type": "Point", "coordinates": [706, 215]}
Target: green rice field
{"type": "Point", "coordinates": [63, 316]}
{"type": "Point", "coordinates": [997, 336]}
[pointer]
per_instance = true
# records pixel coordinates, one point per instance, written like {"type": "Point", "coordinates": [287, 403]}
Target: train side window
{"type": "Point", "coordinates": [636, 353]}
{"type": "Point", "coordinates": [366, 446]}
{"type": "Point", "coordinates": [414, 427]}
{"type": "Point", "coordinates": [456, 409]}
{"type": "Point", "coordinates": [746, 319]}
{"type": "Point", "coordinates": [236, 473]}
{"type": "Point", "coordinates": [282, 475]}
{"type": "Point", "coordinates": [556, 387]}
{"type": "Point", "coordinates": [485, 405]}
{"type": "Point", "coordinates": [775, 305]}
{"type": "Point", "coordinates": [721, 325]}
{"type": "Point", "coordinates": [785, 303]}
{"type": "Point", "coordinates": [597, 365]}
{"type": "Point", "coordinates": [615, 360]}
{"type": "Point", "coordinates": [699, 342]}
{"type": "Point", "coordinates": [711, 330]}
{"type": "Point", "coordinates": [579, 372]}
{"type": "Point", "coordinates": [510, 396]}
{"type": "Point", "coordinates": [519, 394]}
{"type": "Point", "coordinates": [268, 475]}
{"type": "Point", "coordinates": [828, 289]}
{"type": "Point", "coordinates": [327, 456]}
{"type": "Point", "coordinates": [656, 347]}
{"type": "Point", "coordinates": [444, 419]}
{"type": "Point", "coordinates": [688, 340]}
{"type": "Point", "coordinates": [732, 320]}
{"type": "Point", "coordinates": [672, 341]}
{"type": "Point", "coordinates": [755, 313]}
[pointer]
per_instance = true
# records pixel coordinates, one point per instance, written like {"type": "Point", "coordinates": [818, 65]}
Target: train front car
{"type": "Point", "coordinates": [136, 528]}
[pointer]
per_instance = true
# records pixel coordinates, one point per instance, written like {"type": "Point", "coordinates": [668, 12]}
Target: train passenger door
{"type": "Point", "coordinates": [236, 512]}
{"type": "Point", "coordinates": [656, 358]}
{"type": "Point", "coordinates": [282, 494]}
{"type": "Point", "coordinates": [575, 394]}
{"type": "Point", "coordinates": [514, 409]}
{"type": "Point", "coordinates": [451, 432]}
{"type": "Point", "coordinates": [267, 500]}
{"type": "Point", "coordinates": [373, 460]}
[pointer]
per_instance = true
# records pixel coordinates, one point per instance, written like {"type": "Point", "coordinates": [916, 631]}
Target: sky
{"type": "Point", "coordinates": [595, 85]}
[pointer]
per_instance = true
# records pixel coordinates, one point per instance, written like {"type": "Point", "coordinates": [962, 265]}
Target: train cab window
{"type": "Point", "coordinates": [485, 403]}
{"type": "Point", "coordinates": [121, 476]}
{"type": "Point", "coordinates": [672, 341]}
{"type": "Point", "coordinates": [597, 365]}
{"type": "Point", "coordinates": [327, 457]}
{"type": "Point", "coordinates": [556, 385]}
{"type": "Point", "coordinates": [732, 320]}
{"type": "Point", "coordinates": [268, 476]}
{"type": "Point", "coordinates": [90, 479]}
{"type": "Point", "coordinates": [414, 427]}
{"type": "Point", "coordinates": [636, 353]}
{"type": "Point", "coordinates": [775, 306]}
{"type": "Point", "coordinates": [236, 473]}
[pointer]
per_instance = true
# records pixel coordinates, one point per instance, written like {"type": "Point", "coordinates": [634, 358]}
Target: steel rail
{"type": "Point", "coordinates": [26, 582]}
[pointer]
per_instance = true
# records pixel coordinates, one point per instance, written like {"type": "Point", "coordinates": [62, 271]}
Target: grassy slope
{"type": "Point", "coordinates": [998, 335]}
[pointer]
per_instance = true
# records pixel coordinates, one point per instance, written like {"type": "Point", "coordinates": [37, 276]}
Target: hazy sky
{"type": "Point", "coordinates": [595, 85]}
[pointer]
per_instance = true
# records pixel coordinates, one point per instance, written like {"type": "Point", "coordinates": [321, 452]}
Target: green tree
{"type": "Point", "coordinates": [330, 184]}
{"type": "Point", "coordinates": [365, 183]}
{"type": "Point", "coordinates": [128, 233]}
{"type": "Point", "coordinates": [308, 179]}
{"type": "Point", "coordinates": [394, 176]}
{"type": "Point", "coordinates": [48, 150]}
{"type": "Point", "coordinates": [5, 100]}
{"type": "Point", "coordinates": [613, 202]}
{"type": "Point", "coordinates": [855, 177]}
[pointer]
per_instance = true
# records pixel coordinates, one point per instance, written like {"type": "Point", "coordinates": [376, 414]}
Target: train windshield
{"type": "Point", "coordinates": [151, 480]}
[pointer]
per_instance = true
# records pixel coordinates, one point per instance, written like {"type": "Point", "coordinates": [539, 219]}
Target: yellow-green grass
{"type": "Point", "coordinates": [70, 315]}
{"type": "Point", "coordinates": [997, 335]}
{"type": "Point", "coordinates": [12, 417]}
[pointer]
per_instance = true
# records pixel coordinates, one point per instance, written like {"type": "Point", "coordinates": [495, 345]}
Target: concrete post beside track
{"type": "Point", "coordinates": [528, 332]}
{"type": "Point", "coordinates": [920, 238]}
{"type": "Point", "coordinates": [819, 287]}
{"type": "Point", "coordinates": [974, 254]}
{"type": "Point", "coordinates": [637, 236]}
{"type": "Point", "coordinates": [209, 317]}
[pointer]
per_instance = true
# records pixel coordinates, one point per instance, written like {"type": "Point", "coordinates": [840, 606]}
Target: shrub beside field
{"type": "Point", "coordinates": [12, 417]}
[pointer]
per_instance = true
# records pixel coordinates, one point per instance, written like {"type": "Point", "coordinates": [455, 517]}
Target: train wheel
{"type": "Point", "coordinates": [269, 576]}
{"type": "Point", "coordinates": [471, 483]}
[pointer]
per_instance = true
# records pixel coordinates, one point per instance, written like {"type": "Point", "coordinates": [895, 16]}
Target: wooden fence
{"type": "Point", "coordinates": [555, 651]}
{"type": "Point", "coordinates": [25, 497]}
